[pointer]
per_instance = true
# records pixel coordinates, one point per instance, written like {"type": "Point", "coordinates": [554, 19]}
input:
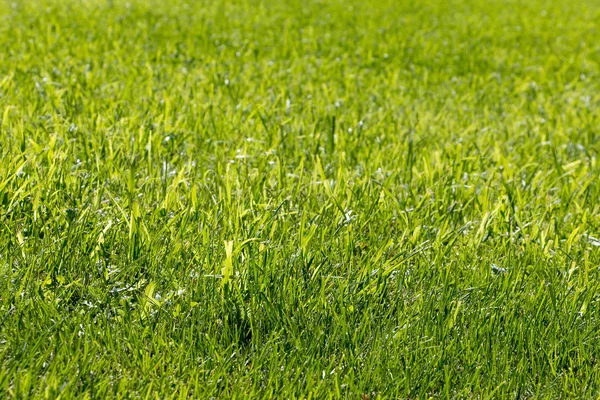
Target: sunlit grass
{"type": "Point", "coordinates": [299, 199]}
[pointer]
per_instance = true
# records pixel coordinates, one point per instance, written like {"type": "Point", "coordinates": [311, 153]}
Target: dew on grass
{"type": "Point", "coordinates": [593, 240]}
{"type": "Point", "coordinates": [498, 270]}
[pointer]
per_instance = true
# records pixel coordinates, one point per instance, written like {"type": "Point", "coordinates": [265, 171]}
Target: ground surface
{"type": "Point", "coordinates": [276, 199]}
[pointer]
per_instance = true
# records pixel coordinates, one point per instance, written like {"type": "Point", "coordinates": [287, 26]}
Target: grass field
{"type": "Point", "coordinates": [299, 199]}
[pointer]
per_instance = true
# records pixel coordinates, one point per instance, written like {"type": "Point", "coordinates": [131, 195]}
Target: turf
{"type": "Point", "coordinates": [299, 199]}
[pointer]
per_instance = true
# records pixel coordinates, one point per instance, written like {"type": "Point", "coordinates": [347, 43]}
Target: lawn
{"type": "Point", "coordinates": [299, 199]}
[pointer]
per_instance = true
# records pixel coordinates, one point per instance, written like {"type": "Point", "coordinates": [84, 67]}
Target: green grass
{"type": "Point", "coordinates": [299, 199]}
